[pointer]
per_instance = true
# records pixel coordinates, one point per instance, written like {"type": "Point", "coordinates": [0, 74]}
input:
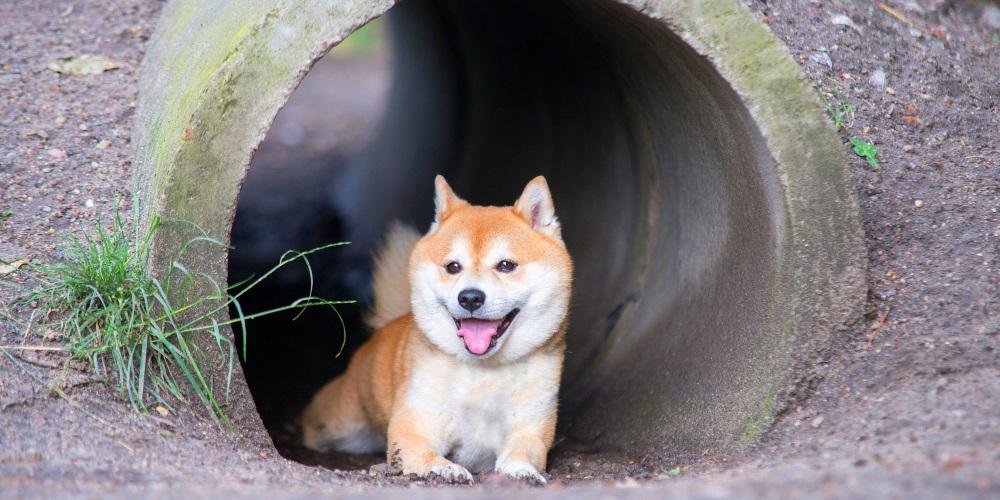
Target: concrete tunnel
{"type": "Point", "coordinates": [703, 194]}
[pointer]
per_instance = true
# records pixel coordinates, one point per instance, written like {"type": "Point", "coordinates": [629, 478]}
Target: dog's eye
{"type": "Point", "coordinates": [506, 266]}
{"type": "Point", "coordinates": [453, 267]}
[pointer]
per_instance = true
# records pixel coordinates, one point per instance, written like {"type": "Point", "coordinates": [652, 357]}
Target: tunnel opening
{"type": "Point", "coordinates": [668, 196]}
{"type": "Point", "coordinates": [288, 203]}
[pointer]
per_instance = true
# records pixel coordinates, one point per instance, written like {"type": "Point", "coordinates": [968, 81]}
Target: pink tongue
{"type": "Point", "coordinates": [477, 334]}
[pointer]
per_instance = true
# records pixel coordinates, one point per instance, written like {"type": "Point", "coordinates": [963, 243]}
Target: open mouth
{"type": "Point", "coordinates": [481, 335]}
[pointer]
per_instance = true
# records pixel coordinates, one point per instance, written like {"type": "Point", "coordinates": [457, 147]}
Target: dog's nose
{"type": "Point", "coordinates": [471, 298]}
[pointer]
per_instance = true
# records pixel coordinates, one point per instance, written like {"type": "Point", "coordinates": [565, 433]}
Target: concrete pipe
{"type": "Point", "coordinates": [703, 193]}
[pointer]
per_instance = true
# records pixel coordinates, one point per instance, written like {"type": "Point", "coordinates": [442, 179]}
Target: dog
{"type": "Point", "coordinates": [462, 373]}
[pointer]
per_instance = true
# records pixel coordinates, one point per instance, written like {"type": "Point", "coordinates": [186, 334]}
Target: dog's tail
{"type": "Point", "coordinates": [390, 276]}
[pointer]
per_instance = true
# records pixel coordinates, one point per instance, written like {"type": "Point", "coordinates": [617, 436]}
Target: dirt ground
{"type": "Point", "coordinates": [908, 405]}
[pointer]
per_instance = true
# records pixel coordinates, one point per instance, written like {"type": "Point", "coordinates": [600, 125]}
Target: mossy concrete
{"type": "Point", "coordinates": [215, 75]}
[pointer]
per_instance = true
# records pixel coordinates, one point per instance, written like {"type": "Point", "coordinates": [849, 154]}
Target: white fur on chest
{"type": "Point", "coordinates": [475, 408]}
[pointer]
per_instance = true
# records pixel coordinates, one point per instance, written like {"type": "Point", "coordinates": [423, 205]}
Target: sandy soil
{"type": "Point", "coordinates": [908, 402]}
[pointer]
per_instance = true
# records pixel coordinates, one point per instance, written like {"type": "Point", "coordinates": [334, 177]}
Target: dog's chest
{"type": "Point", "coordinates": [479, 425]}
{"type": "Point", "coordinates": [477, 408]}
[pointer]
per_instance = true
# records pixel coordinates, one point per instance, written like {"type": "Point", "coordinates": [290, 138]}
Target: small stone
{"type": "Point", "coordinates": [89, 203]}
{"type": "Point", "coordinates": [890, 91]}
{"type": "Point", "coordinates": [842, 20]}
{"type": "Point", "coordinates": [104, 144]}
{"type": "Point", "coordinates": [908, 148]}
{"type": "Point", "coordinates": [951, 464]}
{"type": "Point", "coordinates": [816, 422]}
{"type": "Point", "coordinates": [56, 153]}
{"type": "Point", "coordinates": [991, 327]}
{"type": "Point", "coordinates": [877, 79]}
{"type": "Point", "coordinates": [821, 58]}
{"type": "Point", "coordinates": [991, 17]}
{"type": "Point", "coordinates": [60, 121]}
{"type": "Point", "coordinates": [628, 482]}
{"type": "Point", "coordinates": [83, 126]}
{"type": "Point", "coordinates": [918, 203]}
{"type": "Point", "coordinates": [912, 5]}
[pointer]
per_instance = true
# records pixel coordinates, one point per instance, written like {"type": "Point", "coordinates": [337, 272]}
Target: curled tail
{"type": "Point", "coordinates": [390, 276]}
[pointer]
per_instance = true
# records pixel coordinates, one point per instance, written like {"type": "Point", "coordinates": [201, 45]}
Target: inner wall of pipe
{"type": "Point", "coordinates": [662, 183]}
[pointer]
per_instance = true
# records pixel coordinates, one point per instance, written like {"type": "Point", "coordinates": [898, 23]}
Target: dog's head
{"type": "Point", "coordinates": [491, 282]}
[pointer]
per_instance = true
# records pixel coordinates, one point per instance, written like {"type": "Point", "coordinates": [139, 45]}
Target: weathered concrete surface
{"type": "Point", "coordinates": [703, 192]}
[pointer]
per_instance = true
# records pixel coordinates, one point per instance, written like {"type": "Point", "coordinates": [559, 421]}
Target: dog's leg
{"type": "Point", "coordinates": [335, 420]}
{"type": "Point", "coordinates": [523, 457]}
{"type": "Point", "coordinates": [410, 451]}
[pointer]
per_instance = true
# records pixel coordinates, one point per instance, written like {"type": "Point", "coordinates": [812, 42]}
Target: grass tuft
{"type": "Point", "coordinates": [841, 112]}
{"type": "Point", "coordinates": [112, 313]}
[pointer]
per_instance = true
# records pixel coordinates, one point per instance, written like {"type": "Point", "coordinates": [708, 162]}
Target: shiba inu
{"type": "Point", "coordinates": [462, 372]}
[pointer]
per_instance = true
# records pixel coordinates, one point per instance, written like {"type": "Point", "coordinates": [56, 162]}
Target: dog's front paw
{"type": "Point", "coordinates": [522, 471]}
{"type": "Point", "coordinates": [452, 473]}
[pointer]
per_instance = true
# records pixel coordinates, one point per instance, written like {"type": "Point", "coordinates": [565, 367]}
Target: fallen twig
{"type": "Point", "coordinates": [897, 14]}
{"type": "Point", "coordinates": [46, 364]}
{"type": "Point", "coordinates": [27, 331]}
{"type": "Point", "coordinates": [876, 326]}
{"type": "Point", "coordinates": [32, 348]}
{"type": "Point", "coordinates": [37, 396]}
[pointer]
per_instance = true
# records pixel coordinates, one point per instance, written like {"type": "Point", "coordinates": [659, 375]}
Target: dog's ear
{"type": "Point", "coordinates": [535, 205]}
{"type": "Point", "coordinates": [445, 200]}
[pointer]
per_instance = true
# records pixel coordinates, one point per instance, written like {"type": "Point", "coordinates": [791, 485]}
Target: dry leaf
{"type": "Point", "coordinates": [84, 65]}
{"type": "Point", "coordinates": [11, 266]}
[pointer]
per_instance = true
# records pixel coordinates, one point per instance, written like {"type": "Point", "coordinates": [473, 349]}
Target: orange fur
{"type": "Point", "coordinates": [405, 393]}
